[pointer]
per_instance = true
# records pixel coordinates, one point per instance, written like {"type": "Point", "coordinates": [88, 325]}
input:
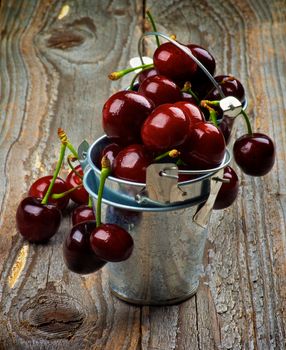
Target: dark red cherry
{"type": "Point", "coordinates": [188, 98]}
{"type": "Point", "coordinates": [131, 163]}
{"type": "Point", "coordinates": [228, 190]}
{"type": "Point", "coordinates": [82, 213]}
{"type": "Point", "coordinates": [192, 111]}
{"type": "Point", "coordinates": [160, 90]}
{"type": "Point", "coordinates": [79, 196]}
{"type": "Point", "coordinates": [206, 58]}
{"type": "Point", "coordinates": [254, 154]}
{"type": "Point", "coordinates": [111, 243]}
{"type": "Point", "coordinates": [230, 87]}
{"type": "Point", "coordinates": [37, 222]}
{"type": "Point", "coordinates": [173, 63]}
{"type": "Point", "coordinates": [165, 128]}
{"type": "Point", "coordinates": [123, 115]}
{"type": "Point", "coordinates": [77, 252]}
{"type": "Point", "coordinates": [110, 151]}
{"type": "Point", "coordinates": [147, 73]}
{"type": "Point", "coordinates": [40, 187]}
{"type": "Point", "coordinates": [204, 148]}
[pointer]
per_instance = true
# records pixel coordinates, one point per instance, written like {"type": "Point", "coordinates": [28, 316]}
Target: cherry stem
{"type": "Point", "coordinates": [105, 172]}
{"type": "Point", "coordinates": [69, 160]}
{"type": "Point", "coordinates": [187, 88]}
{"type": "Point", "coordinates": [213, 114]}
{"type": "Point", "coordinates": [64, 139]}
{"type": "Point", "coordinates": [56, 173]}
{"type": "Point", "coordinates": [247, 121]}
{"type": "Point", "coordinates": [135, 78]}
{"type": "Point", "coordinates": [173, 154]}
{"type": "Point", "coordinates": [63, 194]}
{"type": "Point", "coordinates": [89, 204]}
{"type": "Point", "coordinates": [244, 114]}
{"type": "Point", "coordinates": [119, 74]}
{"type": "Point", "coordinates": [150, 17]}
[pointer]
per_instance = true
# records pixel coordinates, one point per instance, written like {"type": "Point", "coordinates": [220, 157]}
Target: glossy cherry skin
{"type": "Point", "coordinates": [228, 191]}
{"type": "Point", "coordinates": [205, 147]}
{"type": "Point", "coordinates": [131, 163]}
{"type": "Point", "coordinates": [79, 196]}
{"type": "Point", "coordinates": [192, 111]}
{"type": "Point", "coordinates": [173, 63]}
{"type": "Point", "coordinates": [226, 126]}
{"type": "Point", "coordinates": [146, 73]}
{"type": "Point", "coordinates": [77, 252]}
{"type": "Point", "coordinates": [160, 90]}
{"type": "Point", "coordinates": [111, 243]}
{"type": "Point", "coordinates": [40, 187]}
{"type": "Point", "coordinates": [110, 151]}
{"type": "Point", "coordinates": [37, 222]}
{"type": "Point", "coordinates": [123, 115]}
{"type": "Point", "coordinates": [82, 213]}
{"type": "Point", "coordinates": [165, 128]}
{"type": "Point", "coordinates": [206, 58]}
{"type": "Point", "coordinates": [254, 154]}
{"type": "Point", "coordinates": [230, 87]}
{"type": "Point", "coordinates": [188, 98]}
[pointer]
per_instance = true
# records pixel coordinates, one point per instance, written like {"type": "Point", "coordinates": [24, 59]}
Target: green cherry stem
{"type": "Point", "coordinates": [247, 121]}
{"type": "Point", "coordinates": [63, 137]}
{"type": "Point", "coordinates": [135, 78]}
{"type": "Point", "coordinates": [89, 204]}
{"type": "Point", "coordinates": [105, 172]}
{"type": "Point", "coordinates": [187, 88]}
{"type": "Point", "coordinates": [56, 173]}
{"type": "Point", "coordinates": [70, 158]}
{"type": "Point", "coordinates": [173, 154]}
{"type": "Point", "coordinates": [244, 114]}
{"type": "Point", "coordinates": [119, 74]}
{"type": "Point", "coordinates": [213, 116]}
{"type": "Point", "coordinates": [63, 194]}
{"type": "Point", "coordinates": [154, 27]}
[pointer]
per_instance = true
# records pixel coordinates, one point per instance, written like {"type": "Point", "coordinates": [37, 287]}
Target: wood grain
{"type": "Point", "coordinates": [53, 74]}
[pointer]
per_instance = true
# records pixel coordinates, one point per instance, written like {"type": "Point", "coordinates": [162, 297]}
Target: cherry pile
{"type": "Point", "coordinates": [171, 105]}
{"type": "Point", "coordinates": [90, 244]}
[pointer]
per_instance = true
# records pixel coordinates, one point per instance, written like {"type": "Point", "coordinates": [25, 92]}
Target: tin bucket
{"type": "Point", "coordinates": [169, 242]}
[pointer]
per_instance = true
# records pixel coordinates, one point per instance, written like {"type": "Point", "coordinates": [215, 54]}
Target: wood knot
{"type": "Point", "coordinates": [63, 39]}
{"type": "Point", "coordinates": [52, 316]}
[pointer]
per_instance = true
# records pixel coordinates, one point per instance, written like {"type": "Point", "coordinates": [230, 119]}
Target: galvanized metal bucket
{"type": "Point", "coordinates": [169, 240]}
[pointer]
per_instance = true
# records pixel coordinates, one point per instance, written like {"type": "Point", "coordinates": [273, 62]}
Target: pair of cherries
{"type": "Point", "coordinates": [89, 244]}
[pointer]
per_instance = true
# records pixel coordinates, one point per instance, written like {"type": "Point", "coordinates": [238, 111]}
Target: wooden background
{"type": "Point", "coordinates": [53, 74]}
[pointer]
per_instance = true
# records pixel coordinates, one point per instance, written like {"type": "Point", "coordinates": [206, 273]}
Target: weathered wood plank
{"type": "Point", "coordinates": [53, 73]}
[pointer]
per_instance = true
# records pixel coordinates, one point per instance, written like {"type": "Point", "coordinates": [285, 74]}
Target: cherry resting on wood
{"type": "Point", "coordinates": [254, 154]}
{"type": "Point", "coordinates": [123, 115]}
{"type": "Point", "coordinates": [165, 128]}
{"type": "Point", "coordinates": [228, 190]}
{"type": "Point", "coordinates": [40, 187]}
{"type": "Point", "coordinates": [37, 222]}
{"type": "Point", "coordinates": [160, 90]}
{"type": "Point", "coordinates": [204, 148]}
{"type": "Point", "coordinates": [79, 195]}
{"type": "Point", "coordinates": [131, 163]}
{"type": "Point", "coordinates": [111, 243]}
{"type": "Point", "coordinates": [78, 255]}
{"type": "Point", "coordinates": [82, 213]}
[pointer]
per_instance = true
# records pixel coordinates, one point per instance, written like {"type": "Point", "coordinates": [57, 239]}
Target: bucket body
{"type": "Point", "coordinates": [169, 237]}
{"type": "Point", "coordinates": [166, 263]}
